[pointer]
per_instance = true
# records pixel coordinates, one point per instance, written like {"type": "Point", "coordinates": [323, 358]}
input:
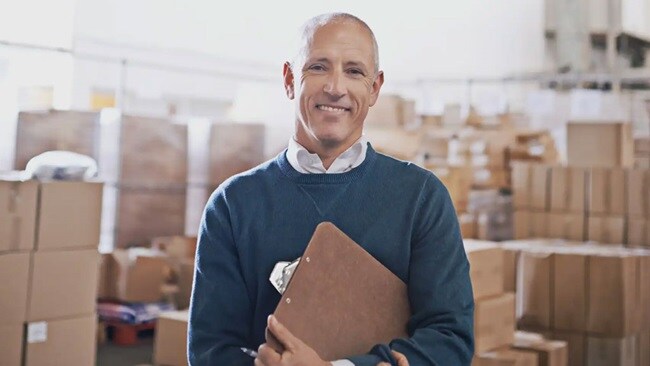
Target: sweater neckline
{"type": "Point", "coordinates": [323, 178]}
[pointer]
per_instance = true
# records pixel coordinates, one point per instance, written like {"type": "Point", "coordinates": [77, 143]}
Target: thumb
{"type": "Point", "coordinates": [283, 334]}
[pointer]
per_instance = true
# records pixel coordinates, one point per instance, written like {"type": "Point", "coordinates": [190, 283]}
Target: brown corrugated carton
{"type": "Point", "coordinates": [644, 290]}
{"type": "Point", "coordinates": [486, 268]}
{"type": "Point", "coordinates": [134, 275]}
{"type": "Point", "coordinates": [549, 352]}
{"type": "Point", "coordinates": [534, 297]}
{"type": "Point", "coordinates": [538, 224]}
{"type": "Point", "coordinates": [14, 280]}
{"type": "Point", "coordinates": [567, 189]}
{"type": "Point", "coordinates": [506, 357]}
{"type": "Point", "coordinates": [638, 194]}
{"type": "Point", "coordinates": [185, 280]}
{"type": "Point", "coordinates": [136, 225]}
{"type": "Point", "coordinates": [577, 346]}
{"type": "Point", "coordinates": [235, 148]}
{"type": "Point", "coordinates": [600, 144]}
{"type": "Point", "coordinates": [570, 291]}
{"type": "Point", "coordinates": [566, 226]}
{"type": "Point", "coordinates": [606, 229]}
{"type": "Point", "coordinates": [521, 222]}
{"type": "Point", "coordinates": [494, 322]}
{"type": "Point", "coordinates": [11, 344]}
{"type": "Point", "coordinates": [467, 225]}
{"type": "Point", "coordinates": [170, 347]}
{"type": "Point", "coordinates": [63, 284]}
{"type": "Point", "coordinates": [539, 199]}
{"type": "Point", "coordinates": [611, 351]}
{"type": "Point", "coordinates": [637, 232]}
{"type": "Point", "coordinates": [69, 342]}
{"type": "Point", "coordinates": [153, 151]}
{"type": "Point", "coordinates": [607, 191]}
{"type": "Point", "coordinates": [614, 295]}
{"type": "Point", "coordinates": [177, 247]}
{"type": "Point", "coordinates": [66, 205]}
{"type": "Point", "coordinates": [510, 258]}
{"type": "Point", "coordinates": [41, 131]}
{"type": "Point", "coordinates": [521, 185]}
{"type": "Point", "coordinates": [17, 214]}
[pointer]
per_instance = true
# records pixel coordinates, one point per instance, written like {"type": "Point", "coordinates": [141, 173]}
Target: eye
{"type": "Point", "coordinates": [355, 72]}
{"type": "Point", "coordinates": [317, 67]}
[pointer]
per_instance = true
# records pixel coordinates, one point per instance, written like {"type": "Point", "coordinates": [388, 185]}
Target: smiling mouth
{"type": "Point", "coordinates": [329, 108]}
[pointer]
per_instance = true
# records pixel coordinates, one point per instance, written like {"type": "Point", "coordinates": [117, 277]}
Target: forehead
{"type": "Point", "coordinates": [342, 40]}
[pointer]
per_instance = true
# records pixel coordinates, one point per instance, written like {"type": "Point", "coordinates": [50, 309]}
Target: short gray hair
{"type": "Point", "coordinates": [312, 25]}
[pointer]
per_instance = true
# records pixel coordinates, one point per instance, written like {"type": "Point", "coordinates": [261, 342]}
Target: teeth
{"type": "Point", "coordinates": [330, 109]}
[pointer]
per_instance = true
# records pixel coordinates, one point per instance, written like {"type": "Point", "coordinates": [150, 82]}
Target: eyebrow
{"type": "Point", "coordinates": [348, 63]}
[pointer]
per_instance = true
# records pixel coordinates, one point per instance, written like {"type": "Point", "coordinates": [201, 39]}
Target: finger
{"type": "Point", "coordinates": [400, 358]}
{"type": "Point", "coordinates": [283, 334]}
{"type": "Point", "coordinates": [267, 355]}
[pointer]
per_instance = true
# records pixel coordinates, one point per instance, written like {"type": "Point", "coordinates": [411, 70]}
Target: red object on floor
{"type": "Point", "coordinates": [127, 334]}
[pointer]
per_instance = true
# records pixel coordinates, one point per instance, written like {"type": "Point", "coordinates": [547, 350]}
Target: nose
{"type": "Point", "coordinates": [335, 85]}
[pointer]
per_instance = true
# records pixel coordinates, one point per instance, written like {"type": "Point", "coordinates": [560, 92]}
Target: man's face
{"type": "Point", "coordinates": [334, 84]}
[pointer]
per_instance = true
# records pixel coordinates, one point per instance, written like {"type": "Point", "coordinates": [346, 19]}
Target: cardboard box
{"type": "Point", "coordinates": [570, 291]}
{"type": "Point", "coordinates": [611, 351]}
{"type": "Point", "coordinates": [176, 247]}
{"type": "Point", "coordinates": [600, 144]}
{"type": "Point", "coordinates": [457, 180]}
{"type": "Point", "coordinates": [607, 191]}
{"type": "Point", "coordinates": [153, 151]}
{"type": "Point", "coordinates": [170, 347]}
{"type": "Point", "coordinates": [638, 194]}
{"type": "Point", "coordinates": [521, 185]}
{"type": "Point", "coordinates": [567, 189]}
{"type": "Point", "coordinates": [69, 342]}
{"type": "Point", "coordinates": [614, 295]}
{"type": "Point", "coordinates": [494, 322]}
{"type": "Point", "coordinates": [606, 229]}
{"type": "Point", "coordinates": [185, 281]}
{"type": "Point", "coordinates": [18, 202]}
{"type": "Point", "coordinates": [521, 221]}
{"type": "Point", "coordinates": [486, 268]}
{"type": "Point", "coordinates": [506, 357]}
{"type": "Point", "coordinates": [66, 205]}
{"type": "Point", "coordinates": [14, 282]}
{"type": "Point", "coordinates": [577, 346]}
{"type": "Point", "coordinates": [235, 148]}
{"type": "Point", "coordinates": [637, 232]}
{"type": "Point", "coordinates": [63, 284]}
{"type": "Point", "coordinates": [538, 224]}
{"type": "Point", "coordinates": [145, 214]}
{"type": "Point", "coordinates": [644, 290]}
{"type": "Point", "coordinates": [510, 259]}
{"type": "Point", "coordinates": [467, 224]}
{"type": "Point", "coordinates": [539, 199]}
{"type": "Point", "coordinates": [566, 226]}
{"type": "Point", "coordinates": [549, 352]}
{"type": "Point", "coordinates": [11, 344]}
{"type": "Point", "coordinates": [134, 275]}
{"type": "Point", "coordinates": [534, 309]}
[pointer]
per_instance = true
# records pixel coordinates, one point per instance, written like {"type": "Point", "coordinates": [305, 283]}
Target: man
{"type": "Point", "coordinates": [398, 212]}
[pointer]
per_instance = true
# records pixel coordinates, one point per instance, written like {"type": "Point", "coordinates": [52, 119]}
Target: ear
{"type": "Point", "coordinates": [376, 86]}
{"type": "Point", "coordinates": [288, 80]}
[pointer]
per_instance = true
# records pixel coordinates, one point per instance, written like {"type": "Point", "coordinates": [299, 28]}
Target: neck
{"type": "Point", "coordinates": [326, 152]}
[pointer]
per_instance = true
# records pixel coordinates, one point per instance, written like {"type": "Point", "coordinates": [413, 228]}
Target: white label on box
{"type": "Point", "coordinates": [586, 104]}
{"type": "Point", "coordinates": [37, 332]}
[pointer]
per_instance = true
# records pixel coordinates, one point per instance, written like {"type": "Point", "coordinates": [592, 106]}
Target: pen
{"type": "Point", "coordinates": [249, 352]}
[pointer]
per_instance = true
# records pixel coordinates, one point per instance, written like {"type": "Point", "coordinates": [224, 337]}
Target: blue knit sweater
{"type": "Point", "coordinates": [400, 213]}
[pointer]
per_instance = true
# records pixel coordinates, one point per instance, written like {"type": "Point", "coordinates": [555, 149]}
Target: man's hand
{"type": "Point", "coordinates": [296, 353]}
{"type": "Point", "coordinates": [401, 360]}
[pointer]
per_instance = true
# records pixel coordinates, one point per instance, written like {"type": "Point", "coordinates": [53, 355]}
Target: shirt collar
{"type": "Point", "coordinates": [307, 163]}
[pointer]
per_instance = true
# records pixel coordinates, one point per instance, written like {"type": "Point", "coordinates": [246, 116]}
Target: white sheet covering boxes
{"type": "Point", "coordinates": [49, 265]}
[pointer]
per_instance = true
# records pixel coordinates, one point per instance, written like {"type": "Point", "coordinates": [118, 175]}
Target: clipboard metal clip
{"type": "Point", "coordinates": [281, 274]}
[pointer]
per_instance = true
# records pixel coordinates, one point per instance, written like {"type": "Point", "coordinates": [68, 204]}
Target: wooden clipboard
{"type": "Point", "coordinates": [341, 301]}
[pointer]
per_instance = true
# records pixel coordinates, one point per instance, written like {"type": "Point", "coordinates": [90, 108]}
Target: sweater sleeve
{"type": "Point", "coordinates": [439, 287]}
{"type": "Point", "coordinates": [220, 309]}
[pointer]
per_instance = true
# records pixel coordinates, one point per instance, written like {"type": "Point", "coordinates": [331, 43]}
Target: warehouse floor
{"type": "Point", "coordinates": [140, 355]}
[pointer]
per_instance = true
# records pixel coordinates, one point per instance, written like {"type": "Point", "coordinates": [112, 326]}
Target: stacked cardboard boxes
{"type": "Point", "coordinates": [642, 152]}
{"type": "Point", "coordinates": [494, 315]}
{"type": "Point", "coordinates": [170, 347]}
{"type": "Point", "coordinates": [49, 265]}
{"type": "Point", "coordinates": [593, 297]}
{"type": "Point", "coordinates": [605, 205]}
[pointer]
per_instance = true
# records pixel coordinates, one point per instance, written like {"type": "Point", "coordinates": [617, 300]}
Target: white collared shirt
{"type": "Point", "coordinates": [307, 163]}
